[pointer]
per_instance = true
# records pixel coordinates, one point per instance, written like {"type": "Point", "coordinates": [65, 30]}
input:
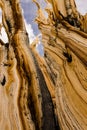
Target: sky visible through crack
{"type": "Point", "coordinates": [29, 12]}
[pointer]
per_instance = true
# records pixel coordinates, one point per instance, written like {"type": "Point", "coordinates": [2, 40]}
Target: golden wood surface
{"type": "Point", "coordinates": [49, 92]}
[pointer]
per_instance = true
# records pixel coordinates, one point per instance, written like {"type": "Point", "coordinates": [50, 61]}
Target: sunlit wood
{"type": "Point", "coordinates": [49, 92]}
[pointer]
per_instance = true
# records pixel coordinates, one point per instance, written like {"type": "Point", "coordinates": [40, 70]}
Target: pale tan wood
{"type": "Point", "coordinates": [49, 92]}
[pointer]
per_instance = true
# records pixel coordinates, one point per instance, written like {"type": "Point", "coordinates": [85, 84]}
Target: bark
{"type": "Point", "coordinates": [50, 92]}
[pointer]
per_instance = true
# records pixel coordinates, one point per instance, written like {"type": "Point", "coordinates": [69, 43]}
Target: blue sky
{"type": "Point", "coordinates": [82, 6]}
{"type": "Point", "coordinates": [30, 10]}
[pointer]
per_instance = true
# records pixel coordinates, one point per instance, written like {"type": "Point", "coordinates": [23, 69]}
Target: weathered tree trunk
{"type": "Point", "coordinates": [50, 92]}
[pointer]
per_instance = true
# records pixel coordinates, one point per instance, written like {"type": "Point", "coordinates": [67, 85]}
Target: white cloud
{"type": "Point", "coordinates": [29, 29]}
{"type": "Point", "coordinates": [30, 32]}
{"type": "Point", "coordinates": [3, 34]}
{"type": "Point", "coordinates": [82, 8]}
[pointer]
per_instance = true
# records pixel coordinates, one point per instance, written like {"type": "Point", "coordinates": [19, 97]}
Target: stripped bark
{"type": "Point", "coordinates": [50, 92]}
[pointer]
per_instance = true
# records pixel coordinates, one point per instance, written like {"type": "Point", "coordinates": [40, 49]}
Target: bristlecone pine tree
{"type": "Point", "coordinates": [49, 92]}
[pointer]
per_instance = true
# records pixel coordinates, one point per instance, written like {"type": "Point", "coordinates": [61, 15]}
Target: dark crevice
{"type": "Point", "coordinates": [49, 118]}
{"type": "Point", "coordinates": [68, 56]}
{"type": "Point", "coordinates": [7, 45]}
{"type": "Point", "coordinates": [31, 106]}
{"type": "Point", "coordinates": [9, 25]}
{"type": "Point", "coordinates": [26, 73]}
{"type": "Point", "coordinates": [71, 20]}
{"type": "Point", "coordinates": [5, 64]}
{"type": "Point", "coordinates": [3, 81]}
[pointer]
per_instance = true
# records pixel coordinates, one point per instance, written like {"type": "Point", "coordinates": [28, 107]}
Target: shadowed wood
{"type": "Point", "coordinates": [49, 92]}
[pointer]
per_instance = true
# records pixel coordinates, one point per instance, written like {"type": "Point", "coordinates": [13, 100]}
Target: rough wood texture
{"type": "Point", "coordinates": [50, 92]}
